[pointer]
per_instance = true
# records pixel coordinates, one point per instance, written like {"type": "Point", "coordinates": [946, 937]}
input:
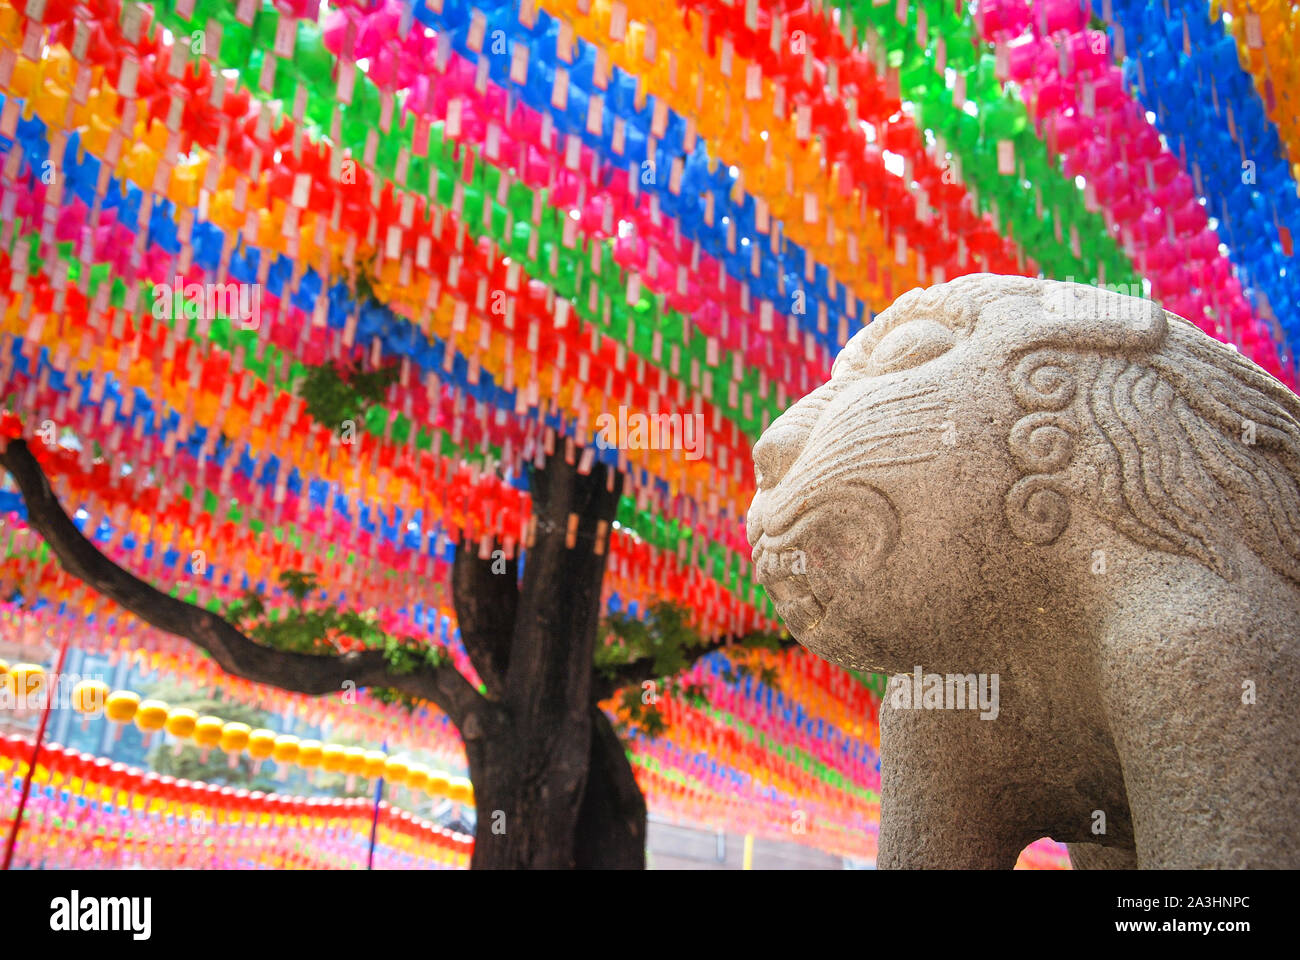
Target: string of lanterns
{"type": "Point", "coordinates": [27, 682]}
{"type": "Point", "coordinates": [87, 812]}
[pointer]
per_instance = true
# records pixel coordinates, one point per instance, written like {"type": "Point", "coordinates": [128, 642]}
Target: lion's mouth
{"type": "Point", "coordinates": [789, 589]}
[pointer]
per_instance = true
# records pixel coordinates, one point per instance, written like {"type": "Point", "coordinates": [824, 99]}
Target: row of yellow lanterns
{"type": "Point", "coordinates": [91, 697]}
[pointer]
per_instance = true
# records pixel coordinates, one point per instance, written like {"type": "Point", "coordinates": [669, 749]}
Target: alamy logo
{"type": "Point", "coordinates": [28, 690]}
{"type": "Point", "coordinates": [208, 301]}
{"type": "Point", "coordinates": [950, 691]}
{"type": "Point", "coordinates": [1080, 302]}
{"type": "Point", "coordinates": [75, 913]}
{"type": "Point", "coordinates": [651, 431]}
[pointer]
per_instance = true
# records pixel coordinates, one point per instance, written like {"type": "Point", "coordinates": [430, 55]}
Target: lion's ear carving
{"type": "Point", "coordinates": [1069, 315]}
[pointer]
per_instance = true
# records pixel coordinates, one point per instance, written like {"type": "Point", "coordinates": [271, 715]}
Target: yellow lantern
{"type": "Point", "coordinates": [417, 776]}
{"type": "Point", "coordinates": [396, 769]}
{"type": "Point", "coordinates": [89, 696]}
{"type": "Point", "coordinates": [121, 705]}
{"type": "Point", "coordinates": [234, 736]}
{"type": "Point", "coordinates": [309, 753]}
{"type": "Point", "coordinates": [207, 731]}
{"type": "Point", "coordinates": [285, 749]}
{"type": "Point", "coordinates": [438, 784]}
{"type": "Point", "coordinates": [4, 667]}
{"type": "Point", "coordinates": [25, 684]}
{"type": "Point", "coordinates": [460, 791]}
{"type": "Point", "coordinates": [331, 757]}
{"type": "Point", "coordinates": [261, 743]}
{"type": "Point", "coordinates": [374, 766]}
{"type": "Point", "coordinates": [180, 722]}
{"type": "Point", "coordinates": [151, 715]}
{"type": "Point", "coordinates": [354, 761]}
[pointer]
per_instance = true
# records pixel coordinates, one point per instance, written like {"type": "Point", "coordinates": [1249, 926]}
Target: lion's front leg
{"type": "Point", "coordinates": [1207, 732]}
{"type": "Point", "coordinates": [1093, 856]}
{"type": "Point", "coordinates": [944, 799]}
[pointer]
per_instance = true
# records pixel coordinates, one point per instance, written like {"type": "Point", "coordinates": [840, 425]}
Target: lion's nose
{"type": "Point", "coordinates": [773, 455]}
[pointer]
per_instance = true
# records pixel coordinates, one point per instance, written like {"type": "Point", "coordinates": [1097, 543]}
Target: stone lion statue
{"type": "Point", "coordinates": [1067, 523]}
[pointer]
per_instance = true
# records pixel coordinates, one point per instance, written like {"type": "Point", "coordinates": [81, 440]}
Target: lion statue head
{"type": "Point", "coordinates": [984, 444]}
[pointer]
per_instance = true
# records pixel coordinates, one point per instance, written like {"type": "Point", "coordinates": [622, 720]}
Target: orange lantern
{"type": "Point", "coordinates": [180, 722]}
{"type": "Point", "coordinates": [331, 758]}
{"type": "Point", "coordinates": [261, 743]}
{"type": "Point", "coordinates": [354, 761]}
{"type": "Point", "coordinates": [417, 776]}
{"type": "Point", "coordinates": [121, 705]}
{"type": "Point", "coordinates": [89, 696]}
{"type": "Point", "coordinates": [396, 770]}
{"type": "Point", "coordinates": [234, 737]}
{"type": "Point", "coordinates": [374, 765]}
{"type": "Point", "coordinates": [24, 684]}
{"type": "Point", "coordinates": [309, 754]}
{"type": "Point", "coordinates": [460, 790]}
{"type": "Point", "coordinates": [207, 731]}
{"type": "Point", "coordinates": [286, 749]}
{"type": "Point", "coordinates": [151, 715]}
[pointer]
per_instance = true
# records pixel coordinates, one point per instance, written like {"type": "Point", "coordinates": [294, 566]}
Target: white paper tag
{"type": "Point", "coordinates": [1254, 31]}
{"type": "Point", "coordinates": [286, 35]}
{"type": "Point", "coordinates": [560, 90]}
{"type": "Point", "coordinates": [477, 30]}
{"type": "Point", "coordinates": [1006, 157]}
{"type": "Point", "coordinates": [346, 81]}
{"type": "Point", "coordinates": [803, 121]}
{"type": "Point", "coordinates": [8, 60]}
{"type": "Point", "coordinates": [519, 63]}
{"type": "Point", "coordinates": [617, 21]}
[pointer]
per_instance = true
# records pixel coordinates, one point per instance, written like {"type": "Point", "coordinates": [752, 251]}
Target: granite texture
{"type": "Point", "coordinates": [1081, 498]}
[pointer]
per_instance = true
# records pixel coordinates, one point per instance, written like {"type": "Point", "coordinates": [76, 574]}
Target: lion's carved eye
{"type": "Point", "coordinates": [910, 345]}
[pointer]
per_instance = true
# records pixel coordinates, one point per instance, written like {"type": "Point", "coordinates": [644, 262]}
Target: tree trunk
{"type": "Point", "coordinates": [612, 820]}
{"type": "Point", "coordinates": [531, 751]}
{"type": "Point", "coordinates": [523, 822]}
{"type": "Point", "coordinates": [519, 826]}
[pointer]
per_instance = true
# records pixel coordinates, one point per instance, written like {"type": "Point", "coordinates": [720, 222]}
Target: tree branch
{"type": "Point", "coordinates": [229, 647]}
{"type": "Point", "coordinates": [608, 681]}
